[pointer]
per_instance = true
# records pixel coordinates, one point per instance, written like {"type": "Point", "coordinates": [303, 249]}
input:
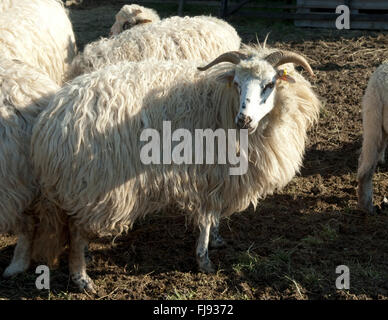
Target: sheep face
{"type": "Point", "coordinates": [128, 17]}
{"type": "Point", "coordinates": [256, 87]}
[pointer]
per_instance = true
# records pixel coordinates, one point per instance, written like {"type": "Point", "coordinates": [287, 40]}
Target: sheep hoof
{"type": "Point", "coordinates": [84, 283]}
{"type": "Point", "coordinates": [366, 208]}
{"type": "Point", "coordinates": [206, 266]}
{"type": "Point", "coordinates": [14, 269]}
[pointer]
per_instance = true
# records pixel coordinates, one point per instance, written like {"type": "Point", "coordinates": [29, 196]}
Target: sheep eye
{"type": "Point", "coordinates": [269, 86]}
{"type": "Point", "coordinates": [126, 25]}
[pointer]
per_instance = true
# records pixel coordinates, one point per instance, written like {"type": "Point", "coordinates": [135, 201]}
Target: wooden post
{"type": "Point", "coordinates": [224, 8]}
{"type": "Point", "coordinates": [180, 8]}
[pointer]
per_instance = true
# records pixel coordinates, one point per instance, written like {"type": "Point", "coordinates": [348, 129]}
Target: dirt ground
{"type": "Point", "coordinates": [290, 246]}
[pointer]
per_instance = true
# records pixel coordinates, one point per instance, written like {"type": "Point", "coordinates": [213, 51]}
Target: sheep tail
{"type": "Point", "coordinates": [51, 234]}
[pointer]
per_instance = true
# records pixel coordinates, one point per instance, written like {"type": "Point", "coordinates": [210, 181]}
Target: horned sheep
{"type": "Point", "coordinates": [24, 92]}
{"type": "Point", "coordinates": [175, 38]}
{"type": "Point", "coordinates": [40, 34]}
{"type": "Point", "coordinates": [90, 166]}
{"type": "Point", "coordinates": [131, 15]}
{"type": "Point", "coordinates": [375, 134]}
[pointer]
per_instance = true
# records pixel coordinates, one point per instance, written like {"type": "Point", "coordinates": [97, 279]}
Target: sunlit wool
{"type": "Point", "coordinates": [24, 92]}
{"type": "Point", "coordinates": [39, 33]}
{"type": "Point", "coordinates": [189, 38]}
{"type": "Point", "coordinates": [5, 4]}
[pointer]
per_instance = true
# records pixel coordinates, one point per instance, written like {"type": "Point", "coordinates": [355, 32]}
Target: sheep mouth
{"type": "Point", "coordinates": [246, 124]}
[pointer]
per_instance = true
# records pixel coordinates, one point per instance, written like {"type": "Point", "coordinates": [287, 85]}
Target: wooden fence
{"type": "Point", "coordinates": [364, 14]}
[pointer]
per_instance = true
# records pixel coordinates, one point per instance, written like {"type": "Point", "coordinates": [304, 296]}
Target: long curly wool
{"type": "Point", "coordinates": [5, 4]}
{"type": "Point", "coordinates": [133, 15]}
{"type": "Point", "coordinates": [24, 92]}
{"type": "Point", "coordinates": [176, 38]}
{"type": "Point", "coordinates": [39, 33]}
{"type": "Point", "coordinates": [86, 145]}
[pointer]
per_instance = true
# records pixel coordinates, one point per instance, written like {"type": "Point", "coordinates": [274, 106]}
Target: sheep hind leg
{"type": "Point", "coordinates": [22, 254]}
{"type": "Point", "coordinates": [202, 252]}
{"type": "Point", "coordinates": [77, 262]}
{"type": "Point", "coordinates": [367, 166]}
{"type": "Point", "coordinates": [216, 241]}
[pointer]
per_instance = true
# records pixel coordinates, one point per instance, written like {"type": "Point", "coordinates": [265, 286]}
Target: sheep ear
{"type": "Point", "coordinates": [143, 21]}
{"type": "Point", "coordinates": [282, 75]}
{"type": "Point", "coordinates": [226, 77]}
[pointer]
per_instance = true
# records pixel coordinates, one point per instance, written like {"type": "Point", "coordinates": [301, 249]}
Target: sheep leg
{"type": "Point", "coordinates": [22, 254]}
{"type": "Point", "coordinates": [382, 153]}
{"type": "Point", "coordinates": [202, 252]}
{"type": "Point", "coordinates": [216, 241]}
{"type": "Point", "coordinates": [367, 165]}
{"type": "Point", "coordinates": [77, 262]}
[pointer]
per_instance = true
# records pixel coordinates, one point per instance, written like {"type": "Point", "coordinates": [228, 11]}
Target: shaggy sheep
{"type": "Point", "coordinates": [132, 15]}
{"type": "Point", "coordinates": [87, 145]}
{"type": "Point", "coordinates": [39, 33]}
{"type": "Point", "coordinates": [176, 38]}
{"type": "Point", "coordinates": [375, 126]}
{"type": "Point", "coordinates": [24, 92]}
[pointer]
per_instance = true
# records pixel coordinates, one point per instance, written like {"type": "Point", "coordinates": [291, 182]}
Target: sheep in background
{"type": "Point", "coordinates": [24, 92]}
{"type": "Point", "coordinates": [39, 33]}
{"type": "Point", "coordinates": [132, 15]}
{"type": "Point", "coordinates": [375, 127]}
{"type": "Point", "coordinates": [89, 164]}
{"type": "Point", "coordinates": [176, 38]}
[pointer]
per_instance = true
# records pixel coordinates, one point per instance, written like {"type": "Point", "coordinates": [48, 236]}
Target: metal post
{"type": "Point", "coordinates": [180, 8]}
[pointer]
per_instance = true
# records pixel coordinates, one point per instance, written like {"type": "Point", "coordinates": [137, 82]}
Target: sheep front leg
{"type": "Point", "coordinates": [22, 254]}
{"type": "Point", "coordinates": [77, 263]}
{"type": "Point", "coordinates": [365, 189]}
{"type": "Point", "coordinates": [203, 260]}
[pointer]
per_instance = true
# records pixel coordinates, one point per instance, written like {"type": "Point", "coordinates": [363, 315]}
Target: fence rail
{"type": "Point", "coordinates": [371, 14]}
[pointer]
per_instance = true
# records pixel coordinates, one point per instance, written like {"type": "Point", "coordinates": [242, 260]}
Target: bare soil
{"type": "Point", "coordinates": [290, 246]}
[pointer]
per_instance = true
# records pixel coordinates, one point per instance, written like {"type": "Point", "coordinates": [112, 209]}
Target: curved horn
{"type": "Point", "coordinates": [278, 58]}
{"type": "Point", "coordinates": [232, 56]}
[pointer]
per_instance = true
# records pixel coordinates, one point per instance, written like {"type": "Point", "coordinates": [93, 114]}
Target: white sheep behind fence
{"type": "Point", "coordinates": [375, 134]}
{"type": "Point", "coordinates": [24, 92]}
{"type": "Point", "coordinates": [131, 15]}
{"type": "Point", "coordinates": [89, 165]}
{"type": "Point", "coordinates": [189, 38]}
{"type": "Point", "coordinates": [39, 33]}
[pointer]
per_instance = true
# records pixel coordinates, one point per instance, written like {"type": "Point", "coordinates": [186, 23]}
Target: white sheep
{"type": "Point", "coordinates": [375, 134]}
{"type": "Point", "coordinates": [132, 15]}
{"type": "Point", "coordinates": [24, 92]}
{"type": "Point", "coordinates": [86, 146]}
{"type": "Point", "coordinates": [39, 33]}
{"type": "Point", "coordinates": [176, 38]}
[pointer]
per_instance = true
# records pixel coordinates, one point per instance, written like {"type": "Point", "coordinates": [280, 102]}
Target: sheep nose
{"type": "Point", "coordinates": [243, 121]}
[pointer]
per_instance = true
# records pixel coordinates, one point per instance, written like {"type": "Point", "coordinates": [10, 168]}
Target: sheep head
{"type": "Point", "coordinates": [128, 17]}
{"type": "Point", "coordinates": [255, 80]}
